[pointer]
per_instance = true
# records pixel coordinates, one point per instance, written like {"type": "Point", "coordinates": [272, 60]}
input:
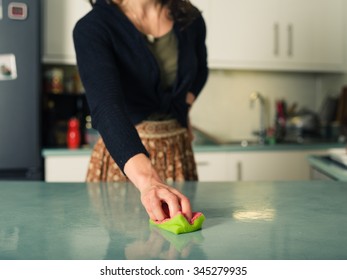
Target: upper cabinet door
{"type": "Point", "coordinates": [312, 35]}
{"type": "Point", "coordinates": [329, 35]}
{"type": "Point", "coordinates": [242, 32]}
{"type": "Point", "coordinates": [288, 35]}
{"type": "Point", "coordinates": [59, 19]}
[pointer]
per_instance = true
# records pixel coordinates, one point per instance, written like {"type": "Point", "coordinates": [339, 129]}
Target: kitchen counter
{"type": "Point", "coordinates": [239, 147]}
{"type": "Point", "coordinates": [245, 220]}
{"type": "Point", "coordinates": [209, 147]}
{"type": "Point", "coordinates": [328, 167]}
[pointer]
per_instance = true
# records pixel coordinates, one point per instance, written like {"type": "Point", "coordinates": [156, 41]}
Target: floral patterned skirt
{"type": "Point", "coordinates": [169, 148]}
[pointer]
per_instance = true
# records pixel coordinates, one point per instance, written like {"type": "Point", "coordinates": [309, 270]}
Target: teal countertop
{"type": "Point", "coordinates": [328, 167]}
{"type": "Point", "coordinates": [244, 221]}
{"type": "Point", "coordinates": [213, 148]}
{"type": "Point", "coordinates": [260, 148]}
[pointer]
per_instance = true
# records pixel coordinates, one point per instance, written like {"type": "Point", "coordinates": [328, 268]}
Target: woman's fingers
{"type": "Point", "coordinates": [186, 208]}
{"type": "Point", "coordinates": [184, 204]}
{"type": "Point", "coordinates": [165, 202]}
{"type": "Point", "coordinates": [157, 209]}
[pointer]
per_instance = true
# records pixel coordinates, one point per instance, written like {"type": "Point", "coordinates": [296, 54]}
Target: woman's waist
{"type": "Point", "coordinates": [160, 128]}
{"type": "Point", "coordinates": [138, 117]}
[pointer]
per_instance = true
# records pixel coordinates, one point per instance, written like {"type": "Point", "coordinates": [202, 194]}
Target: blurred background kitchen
{"type": "Point", "coordinates": [274, 106]}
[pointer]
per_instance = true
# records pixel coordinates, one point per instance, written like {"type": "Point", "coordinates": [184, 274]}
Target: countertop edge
{"type": "Point", "coordinates": [328, 167]}
{"type": "Point", "coordinates": [210, 148]}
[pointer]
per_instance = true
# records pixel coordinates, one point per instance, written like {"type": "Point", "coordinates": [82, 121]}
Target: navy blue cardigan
{"type": "Point", "coordinates": [122, 78]}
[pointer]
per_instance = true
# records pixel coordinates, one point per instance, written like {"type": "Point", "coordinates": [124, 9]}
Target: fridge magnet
{"type": "Point", "coordinates": [8, 68]}
{"type": "Point", "coordinates": [17, 11]}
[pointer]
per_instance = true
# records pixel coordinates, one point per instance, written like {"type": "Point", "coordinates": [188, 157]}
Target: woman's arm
{"type": "Point", "coordinates": [199, 30]}
{"type": "Point", "coordinates": [101, 79]}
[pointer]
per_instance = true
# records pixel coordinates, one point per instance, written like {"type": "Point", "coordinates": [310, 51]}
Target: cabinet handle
{"type": "Point", "coordinates": [276, 39]}
{"type": "Point", "coordinates": [290, 39]}
{"type": "Point", "coordinates": [239, 170]}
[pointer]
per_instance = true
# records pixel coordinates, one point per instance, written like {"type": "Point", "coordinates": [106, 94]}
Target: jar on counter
{"type": "Point", "coordinates": [54, 80]}
{"type": "Point", "coordinates": [91, 135]}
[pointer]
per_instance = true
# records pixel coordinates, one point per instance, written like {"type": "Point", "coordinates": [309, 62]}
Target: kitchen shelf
{"type": "Point", "coordinates": [57, 110]}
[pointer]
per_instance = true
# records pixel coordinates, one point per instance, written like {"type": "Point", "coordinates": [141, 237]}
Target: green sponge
{"type": "Point", "coordinates": [179, 224]}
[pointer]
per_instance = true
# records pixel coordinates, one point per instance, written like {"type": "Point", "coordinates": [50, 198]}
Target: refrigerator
{"type": "Point", "coordinates": [20, 90]}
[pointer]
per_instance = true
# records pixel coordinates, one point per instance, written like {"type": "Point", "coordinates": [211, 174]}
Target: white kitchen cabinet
{"type": "Point", "coordinates": [270, 165]}
{"type": "Point", "coordinates": [59, 19]}
{"type": "Point", "coordinates": [72, 167]}
{"type": "Point", "coordinates": [213, 166]}
{"type": "Point", "coordinates": [275, 35]}
{"type": "Point", "coordinates": [328, 39]}
{"type": "Point", "coordinates": [216, 166]}
{"type": "Point", "coordinates": [315, 33]}
{"type": "Point", "coordinates": [260, 165]}
{"type": "Point", "coordinates": [66, 168]}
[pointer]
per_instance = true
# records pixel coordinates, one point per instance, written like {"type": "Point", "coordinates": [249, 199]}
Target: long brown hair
{"type": "Point", "coordinates": [181, 11]}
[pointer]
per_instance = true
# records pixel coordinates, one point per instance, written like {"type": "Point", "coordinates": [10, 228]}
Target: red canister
{"type": "Point", "coordinates": [73, 134]}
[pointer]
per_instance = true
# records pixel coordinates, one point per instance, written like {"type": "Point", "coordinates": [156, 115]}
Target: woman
{"type": "Point", "coordinates": [142, 63]}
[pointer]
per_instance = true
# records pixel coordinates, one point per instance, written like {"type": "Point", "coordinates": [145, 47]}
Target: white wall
{"type": "Point", "coordinates": [223, 108]}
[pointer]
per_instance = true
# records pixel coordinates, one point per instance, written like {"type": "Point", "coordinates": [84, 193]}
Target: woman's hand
{"type": "Point", "coordinates": [190, 98]}
{"type": "Point", "coordinates": [160, 200]}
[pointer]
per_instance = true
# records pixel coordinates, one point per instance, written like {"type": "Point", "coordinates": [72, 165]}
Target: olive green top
{"type": "Point", "coordinates": [165, 50]}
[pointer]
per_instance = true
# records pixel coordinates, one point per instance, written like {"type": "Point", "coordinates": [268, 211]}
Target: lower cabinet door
{"type": "Point", "coordinates": [212, 166]}
{"type": "Point", "coordinates": [66, 168]}
{"type": "Point", "coordinates": [271, 165]}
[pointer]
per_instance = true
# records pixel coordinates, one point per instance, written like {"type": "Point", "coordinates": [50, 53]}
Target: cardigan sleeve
{"type": "Point", "coordinates": [99, 73]}
{"type": "Point", "coordinates": [201, 52]}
